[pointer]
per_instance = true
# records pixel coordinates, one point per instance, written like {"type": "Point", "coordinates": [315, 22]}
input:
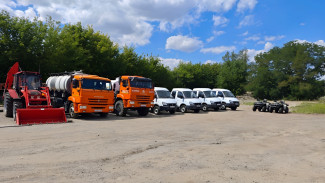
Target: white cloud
{"type": "Point", "coordinates": [215, 6]}
{"type": "Point", "coordinates": [273, 38]}
{"type": "Point", "coordinates": [183, 43]}
{"type": "Point", "coordinates": [219, 20]}
{"type": "Point", "coordinates": [319, 42]}
{"type": "Point", "coordinates": [248, 20]}
{"type": "Point", "coordinates": [215, 33]}
{"type": "Point", "coordinates": [302, 24]}
{"type": "Point", "coordinates": [218, 50]}
{"type": "Point", "coordinates": [245, 33]}
{"type": "Point", "coordinates": [246, 4]}
{"type": "Point", "coordinates": [252, 52]}
{"type": "Point", "coordinates": [252, 38]}
{"type": "Point", "coordinates": [210, 62]}
{"type": "Point", "coordinates": [171, 62]}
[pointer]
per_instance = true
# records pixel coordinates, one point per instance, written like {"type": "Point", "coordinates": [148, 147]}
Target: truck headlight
{"type": "Point", "coordinates": [131, 102]}
{"type": "Point", "coordinates": [164, 103]}
{"type": "Point", "coordinates": [111, 107]}
{"type": "Point", "coordinates": [152, 102]}
{"type": "Point", "coordinates": [83, 107]}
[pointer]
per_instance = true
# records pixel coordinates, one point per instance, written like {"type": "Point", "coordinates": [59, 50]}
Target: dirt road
{"type": "Point", "coordinates": [222, 146]}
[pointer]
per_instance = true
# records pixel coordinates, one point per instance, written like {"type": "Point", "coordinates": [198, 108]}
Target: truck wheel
{"type": "Point", "coordinates": [104, 115]}
{"type": "Point", "coordinates": [16, 105]}
{"type": "Point", "coordinates": [119, 108]}
{"type": "Point", "coordinates": [280, 110]}
{"type": "Point", "coordinates": [71, 111]}
{"type": "Point", "coordinates": [233, 108]}
{"type": "Point", "coordinates": [263, 109]}
{"type": "Point", "coordinates": [196, 110]}
{"type": "Point", "coordinates": [143, 111]}
{"type": "Point", "coordinates": [254, 108]}
{"type": "Point", "coordinates": [172, 111]}
{"type": "Point", "coordinates": [205, 107]}
{"type": "Point", "coordinates": [8, 105]}
{"type": "Point", "coordinates": [183, 108]}
{"type": "Point", "coordinates": [156, 110]}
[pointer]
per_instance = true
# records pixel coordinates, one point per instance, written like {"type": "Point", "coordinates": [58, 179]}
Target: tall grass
{"type": "Point", "coordinates": [310, 108]}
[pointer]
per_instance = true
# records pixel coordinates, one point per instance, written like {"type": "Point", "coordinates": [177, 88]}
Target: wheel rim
{"type": "Point", "coordinates": [183, 109]}
{"type": "Point", "coordinates": [71, 111]}
{"type": "Point", "coordinates": [204, 107]}
{"type": "Point", "coordinates": [156, 110]}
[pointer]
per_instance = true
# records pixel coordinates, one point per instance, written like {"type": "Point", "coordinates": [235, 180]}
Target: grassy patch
{"type": "Point", "coordinates": [248, 103]}
{"type": "Point", "coordinates": [310, 108]}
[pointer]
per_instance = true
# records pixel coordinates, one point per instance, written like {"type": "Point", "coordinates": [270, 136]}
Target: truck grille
{"type": "Point", "coordinates": [142, 98]}
{"type": "Point", "coordinates": [95, 101]}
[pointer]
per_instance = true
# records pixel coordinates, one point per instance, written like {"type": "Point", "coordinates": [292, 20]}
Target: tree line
{"type": "Point", "coordinates": [293, 71]}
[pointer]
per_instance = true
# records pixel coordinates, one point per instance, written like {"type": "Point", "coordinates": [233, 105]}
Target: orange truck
{"type": "Point", "coordinates": [81, 93]}
{"type": "Point", "coordinates": [134, 93]}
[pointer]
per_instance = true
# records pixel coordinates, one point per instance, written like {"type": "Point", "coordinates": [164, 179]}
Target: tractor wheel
{"type": "Point", "coordinates": [196, 110]}
{"type": "Point", "coordinates": [280, 110]}
{"type": "Point", "coordinates": [172, 111]}
{"type": "Point", "coordinates": [71, 111]}
{"type": "Point", "coordinates": [143, 111]}
{"type": "Point", "coordinates": [156, 110]}
{"type": "Point", "coordinates": [263, 109]}
{"type": "Point", "coordinates": [8, 105]}
{"type": "Point", "coordinates": [254, 108]}
{"type": "Point", "coordinates": [16, 105]}
{"type": "Point", "coordinates": [205, 107]}
{"type": "Point", "coordinates": [183, 108]}
{"type": "Point", "coordinates": [233, 108]}
{"type": "Point", "coordinates": [119, 108]}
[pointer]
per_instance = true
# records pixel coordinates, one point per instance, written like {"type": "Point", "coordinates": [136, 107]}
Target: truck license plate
{"type": "Point", "coordinates": [143, 105]}
{"type": "Point", "coordinates": [98, 110]}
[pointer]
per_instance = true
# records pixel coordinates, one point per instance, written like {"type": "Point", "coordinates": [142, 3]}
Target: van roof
{"type": "Point", "coordinates": [161, 88]}
{"type": "Point", "coordinates": [220, 89]}
{"type": "Point", "coordinates": [201, 89]}
{"type": "Point", "coordinates": [182, 89]}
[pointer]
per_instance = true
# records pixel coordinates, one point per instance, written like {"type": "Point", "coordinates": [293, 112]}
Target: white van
{"type": "Point", "coordinates": [163, 101]}
{"type": "Point", "coordinates": [228, 98]}
{"type": "Point", "coordinates": [208, 98]}
{"type": "Point", "coordinates": [186, 100]}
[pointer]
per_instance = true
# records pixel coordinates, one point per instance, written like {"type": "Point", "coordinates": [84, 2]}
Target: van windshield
{"type": "Point", "coordinates": [163, 94]}
{"type": "Point", "coordinates": [209, 94]}
{"type": "Point", "coordinates": [96, 84]}
{"type": "Point", "coordinates": [228, 94]}
{"type": "Point", "coordinates": [189, 94]}
{"type": "Point", "coordinates": [140, 82]}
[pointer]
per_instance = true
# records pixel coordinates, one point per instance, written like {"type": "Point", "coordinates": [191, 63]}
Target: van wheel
{"type": "Point", "coordinates": [71, 111]}
{"type": "Point", "coordinates": [183, 108]}
{"type": "Point", "coordinates": [223, 106]}
{"type": "Point", "coordinates": [119, 108]}
{"type": "Point", "coordinates": [156, 110]}
{"type": "Point", "coordinates": [205, 107]}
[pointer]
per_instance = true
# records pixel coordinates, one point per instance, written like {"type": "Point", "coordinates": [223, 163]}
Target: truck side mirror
{"type": "Point", "coordinates": [75, 83]}
{"type": "Point", "coordinates": [125, 83]}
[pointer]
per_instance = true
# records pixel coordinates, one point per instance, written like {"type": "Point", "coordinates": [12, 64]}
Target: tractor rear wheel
{"type": "Point", "coordinates": [16, 105]}
{"type": "Point", "coordinates": [8, 105]}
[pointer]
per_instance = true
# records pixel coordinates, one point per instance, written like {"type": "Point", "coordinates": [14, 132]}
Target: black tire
{"type": "Point", "coordinates": [183, 108]}
{"type": "Point", "coordinates": [263, 109]}
{"type": "Point", "coordinates": [8, 105]}
{"type": "Point", "coordinates": [216, 109]}
{"type": "Point", "coordinates": [205, 107]}
{"type": "Point", "coordinates": [156, 110]}
{"type": "Point", "coordinates": [259, 109]}
{"type": "Point", "coordinates": [270, 109]}
{"type": "Point", "coordinates": [71, 111]}
{"type": "Point", "coordinates": [286, 110]}
{"type": "Point", "coordinates": [280, 110]}
{"type": "Point", "coordinates": [233, 108]}
{"type": "Point", "coordinates": [104, 115]}
{"type": "Point", "coordinates": [223, 106]}
{"type": "Point", "coordinates": [16, 105]}
{"type": "Point", "coordinates": [119, 108]}
{"type": "Point", "coordinates": [276, 110]}
{"type": "Point", "coordinates": [143, 111]}
{"type": "Point", "coordinates": [254, 108]}
{"type": "Point", "coordinates": [172, 111]}
{"type": "Point", "coordinates": [196, 110]}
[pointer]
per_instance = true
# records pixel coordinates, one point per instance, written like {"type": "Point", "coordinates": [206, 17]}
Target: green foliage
{"type": "Point", "coordinates": [310, 108]}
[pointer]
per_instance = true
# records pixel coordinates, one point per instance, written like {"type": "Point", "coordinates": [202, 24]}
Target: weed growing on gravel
{"type": "Point", "coordinates": [310, 108]}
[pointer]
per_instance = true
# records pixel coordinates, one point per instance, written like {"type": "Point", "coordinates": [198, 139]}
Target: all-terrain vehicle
{"type": "Point", "coordinates": [262, 106]}
{"type": "Point", "coordinates": [279, 107]}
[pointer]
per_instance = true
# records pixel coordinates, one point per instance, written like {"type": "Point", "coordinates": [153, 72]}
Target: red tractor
{"type": "Point", "coordinates": [27, 101]}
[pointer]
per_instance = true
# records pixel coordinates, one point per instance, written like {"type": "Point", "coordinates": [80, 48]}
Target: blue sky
{"type": "Point", "coordinates": [200, 31]}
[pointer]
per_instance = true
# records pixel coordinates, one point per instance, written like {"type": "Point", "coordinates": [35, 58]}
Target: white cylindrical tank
{"type": "Point", "coordinates": [59, 83]}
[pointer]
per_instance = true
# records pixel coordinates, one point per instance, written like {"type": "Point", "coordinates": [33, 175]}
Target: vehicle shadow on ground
{"type": "Point", "coordinates": [14, 125]}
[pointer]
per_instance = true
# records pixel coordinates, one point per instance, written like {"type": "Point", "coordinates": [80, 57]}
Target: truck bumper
{"type": "Point", "coordinates": [95, 108]}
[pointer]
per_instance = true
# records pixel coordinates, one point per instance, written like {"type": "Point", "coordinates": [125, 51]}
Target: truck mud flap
{"type": "Point", "coordinates": [40, 116]}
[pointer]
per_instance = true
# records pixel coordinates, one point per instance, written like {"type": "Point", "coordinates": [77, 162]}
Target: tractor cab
{"type": "Point", "coordinates": [31, 80]}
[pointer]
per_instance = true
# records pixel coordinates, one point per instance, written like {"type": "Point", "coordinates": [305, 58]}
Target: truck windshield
{"type": "Point", "coordinates": [140, 82]}
{"type": "Point", "coordinates": [163, 94]}
{"type": "Point", "coordinates": [209, 94]}
{"type": "Point", "coordinates": [189, 94]}
{"type": "Point", "coordinates": [228, 94]}
{"type": "Point", "coordinates": [96, 84]}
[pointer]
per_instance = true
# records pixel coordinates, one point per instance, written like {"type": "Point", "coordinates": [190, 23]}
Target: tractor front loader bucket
{"type": "Point", "coordinates": [40, 116]}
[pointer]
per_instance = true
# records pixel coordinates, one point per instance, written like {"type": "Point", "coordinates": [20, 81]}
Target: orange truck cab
{"type": "Point", "coordinates": [133, 92]}
{"type": "Point", "coordinates": [81, 93]}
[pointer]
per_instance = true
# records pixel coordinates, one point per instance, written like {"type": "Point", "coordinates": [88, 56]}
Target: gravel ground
{"type": "Point", "coordinates": [217, 146]}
